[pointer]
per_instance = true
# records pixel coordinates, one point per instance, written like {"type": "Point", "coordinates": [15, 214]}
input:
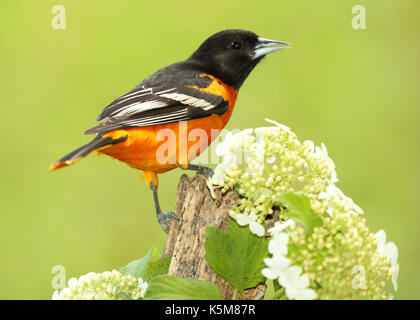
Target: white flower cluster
{"type": "Point", "coordinates": [110, 285]}
{"type": "Point", "coordinates": [263, 164]}
{"type": "Point", "coordinates": [290, 278]}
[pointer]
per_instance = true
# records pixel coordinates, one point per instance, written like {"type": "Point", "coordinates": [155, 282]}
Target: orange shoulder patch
{"type": "Point", "coordinates": [218, 88]}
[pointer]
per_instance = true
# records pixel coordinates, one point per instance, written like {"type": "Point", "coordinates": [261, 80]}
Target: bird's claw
{"type": "Point", "coordinates": [165, 219]}
{"type": "Point", "coordinates": [206, 171]}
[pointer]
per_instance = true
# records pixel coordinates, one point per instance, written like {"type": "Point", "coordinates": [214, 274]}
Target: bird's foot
{"type": "Point", "coordinates": [165, 219]}
{"type": "Point", "coordinates": [206, 171]}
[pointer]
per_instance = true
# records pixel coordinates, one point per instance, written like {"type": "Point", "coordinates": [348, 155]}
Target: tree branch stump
{"type": "Point", "coordinates": [197, 210]}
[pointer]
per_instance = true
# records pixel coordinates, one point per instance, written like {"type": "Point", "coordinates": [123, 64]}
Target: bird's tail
{"type": "Point", "coordinates": [96, 144]}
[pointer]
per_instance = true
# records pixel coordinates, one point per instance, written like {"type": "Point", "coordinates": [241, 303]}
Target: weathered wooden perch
{"type": "Point", "coordinates": [198, 210]}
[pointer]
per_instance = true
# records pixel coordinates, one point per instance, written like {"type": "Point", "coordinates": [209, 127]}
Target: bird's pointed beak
{"type": "Point", "coordinates": [266, 46]}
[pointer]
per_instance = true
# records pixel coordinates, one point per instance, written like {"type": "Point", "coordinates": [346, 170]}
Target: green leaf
{"type": "Point", "coordinates": [274, 291]}
{"type": "Point", "coordinates": [167, 287]}
{"type": "Point", "coordinates": [299, 209]}
{"type": "Point", "coordinates": [138, 267]}
{"type": "Point", "coordinates": [149, 266]}
{"type": "Point", "coordinates": [236, 256]}
{"type": "Point", "coordinates": [269, 291]}
{"type": "Point", "coordinates": [156, 268]}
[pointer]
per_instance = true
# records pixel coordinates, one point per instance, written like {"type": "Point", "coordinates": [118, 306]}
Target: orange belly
{"type": "Point", "coordinates": [158, 148]}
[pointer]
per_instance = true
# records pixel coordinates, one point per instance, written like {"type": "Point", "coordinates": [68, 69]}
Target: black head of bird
{"type": "Point", "coordinates": [230, 55]}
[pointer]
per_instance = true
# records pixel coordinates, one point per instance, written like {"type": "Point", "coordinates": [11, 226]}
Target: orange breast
{"type": "Point", "coordinates": [158, 148]}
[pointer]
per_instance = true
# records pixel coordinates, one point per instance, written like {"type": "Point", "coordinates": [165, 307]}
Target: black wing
{"type": "Point", "coordinates": [150, 104]}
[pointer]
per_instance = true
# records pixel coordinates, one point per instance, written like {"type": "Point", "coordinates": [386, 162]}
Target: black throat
{"type": "Point", "coordinates": [234, 78]}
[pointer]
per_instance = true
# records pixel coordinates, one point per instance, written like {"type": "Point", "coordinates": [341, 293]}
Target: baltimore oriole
{"type": "Point", "coordinates": [198, 93]}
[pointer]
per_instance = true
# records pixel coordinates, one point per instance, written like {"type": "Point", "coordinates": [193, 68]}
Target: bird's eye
{"type": "Point", "coordinates": [235, 45]}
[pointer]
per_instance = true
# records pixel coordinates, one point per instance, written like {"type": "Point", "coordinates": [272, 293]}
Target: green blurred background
{"type": "Point", "coordinates": [355, 90]}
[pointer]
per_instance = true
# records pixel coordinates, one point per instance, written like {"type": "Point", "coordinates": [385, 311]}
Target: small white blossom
{"type": "Point", "coordinates": [310, 145]}
{"type": "Point", "coordinates": [251, 220]}
{"type": "Point", "coordinates": [281, 126]}
{"type": "Point", "coordinates": [296, 285]}
{"type": "Point", "coordinates": [56, 295]}
{"type": "Point", "coordinates": [276, 267]}
{"type": "Point", "coordinates": [337, 198]}
{"type": "Point", "coordinates": [281, 226]}
{"type": "Point", "coordinates": [389, 250]}
{"type": "Point", "coordinates": [219, 174]}
{"type": "Point", "coordinates": [278, 244]}
{"type": "Point", "coordinates": [210, 186]}
{"type": "Point", "coordinates": [72, 282]}
{"type": "Point", "coordinates": [224, 147]}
